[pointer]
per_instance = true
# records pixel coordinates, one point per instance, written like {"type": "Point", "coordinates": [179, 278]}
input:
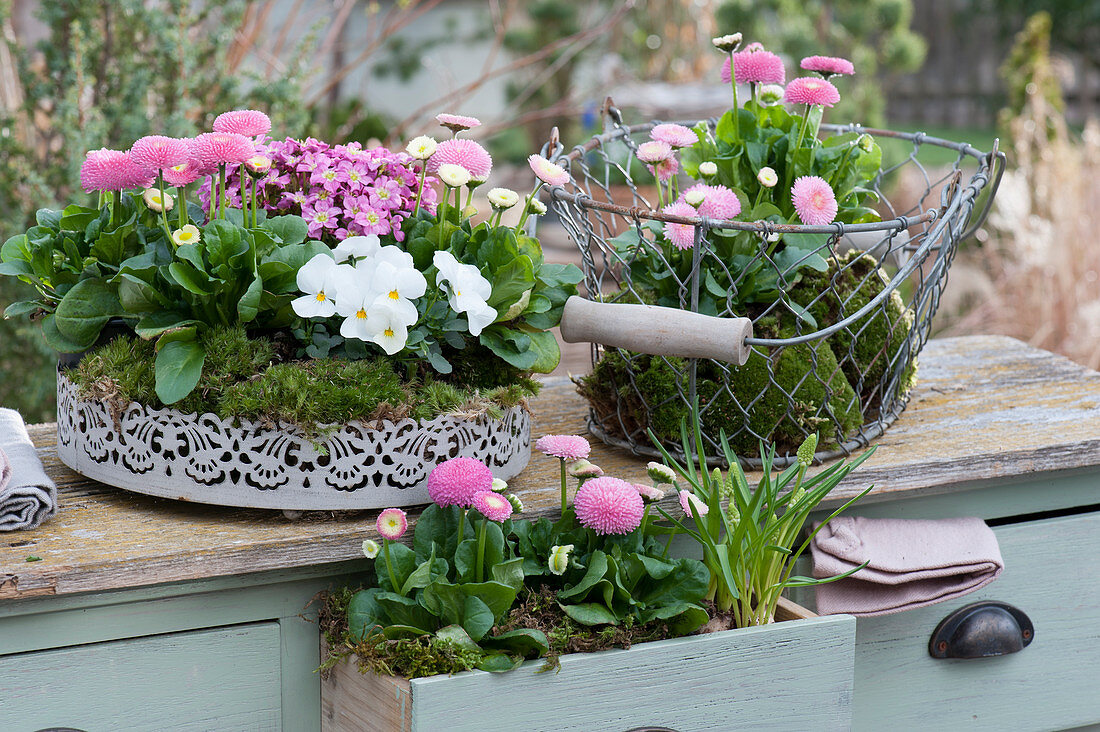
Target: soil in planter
{"type": "Point", "coordinates": [830, 386]}
{"type": "Point", "coordinates": [257, 378]}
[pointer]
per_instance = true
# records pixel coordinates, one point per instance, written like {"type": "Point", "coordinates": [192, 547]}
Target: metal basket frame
{"type": "Point", "coordinates": [589, 213]}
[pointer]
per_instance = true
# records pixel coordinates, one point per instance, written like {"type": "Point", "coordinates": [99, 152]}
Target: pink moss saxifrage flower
{"type": "Point", "coordinates": [549, 173]}
{"type": "Point", "coordinates": [457, 123]}
{"type": "Point", "coordinates": [828, 65]}
{"type": "Point", "coordinates": [223, 148]}
{"type": "Point", "coordinates": [609, 506]}
{"type": "Point", "coordinates": [455, 482]}
{"type": "Point", "coordinates": [492, 506]}
{"type": "Point", "coordinates": [755, 67]}
{"type": "Point", "coordinates": [112, 170]}
{"type": "Point", "coordinates": [719, 202]}
{"type": "Point", "coordinates": [464, 153]}
{"type": "Point", "coordinates": [247, 122]}
{"type": "Point", "coordinates": [392, 524]}
{"type": "Point", "coordinates": [564, 447]}
{"type": "Point", "coordinates": [682, 236]}
{"type": "Point", "coordinates": [814, 200]}
{"type": "Point", "coordinates": [676, 136]}
{"type": "Point", "coordinates": [811, 90]}
{"type": "Point", "coordinates": [157, 152]}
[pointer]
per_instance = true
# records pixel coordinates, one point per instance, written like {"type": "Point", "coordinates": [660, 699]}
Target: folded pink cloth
{"type": "Point", "coordinates": [911, 563]}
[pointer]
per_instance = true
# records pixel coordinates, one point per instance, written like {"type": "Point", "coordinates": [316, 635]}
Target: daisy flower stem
{"type": "Point", "coordinates": [181, 201]}
{"type": "Point", "coordinates": [255, 208]}
{"type": "Point", "coordinates": [116, 202]}
{"type": "Point", "coordinates": [244, 198]}
{"type": "Point", "coordinates": [461, 524]}
{"type": "Point", "coordinates": [223, 199]}
{"type": "Point", "coordinates": [733, 83]}
{"type": "Point", "coordinates": [420, 189]}
{"type": "Point", "coordinates": [389, 566]}
{"type": "Point", "coordinates": [480, 572]}
{"type": "Point", "coordinates": [163, 206]}
{"type": "Point", "coordinates": [102, 199]}
{"type": "Point", "coordinates": [523, 220]}
{"type": "Point", "coordinates": [563, 492]}
{"type": "Point", "coordinates": [798, 146]}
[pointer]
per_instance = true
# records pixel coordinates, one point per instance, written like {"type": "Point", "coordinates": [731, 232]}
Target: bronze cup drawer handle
{"type": "Point", "coordinates": [981, 630]}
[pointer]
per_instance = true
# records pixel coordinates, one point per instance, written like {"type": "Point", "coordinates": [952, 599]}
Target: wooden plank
{"type": "Point", "coordinates": [215, 679]}
{"type": "Point", "coordinates": [986, 408]}
{"type": "Point", "coordinates": [352, 701]}
{"type": "Point", "coordinates": [1050, 684]}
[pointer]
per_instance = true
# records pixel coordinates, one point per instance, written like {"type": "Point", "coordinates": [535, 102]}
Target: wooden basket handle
{"type": "Point", "coordinates": [655, 330]}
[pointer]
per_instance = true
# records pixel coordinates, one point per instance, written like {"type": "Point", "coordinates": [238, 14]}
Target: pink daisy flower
{"type": "Point", "coordinates": [811, 90]}
{"type": "Point", "coordinates": [112, 170]}
{"type": "Point", "coordinates": [392, 524]}
{"type": "Point", "coordinates": [455, 482]}
{"type": "Point", "coordinates": [755, 67]}
{"type": "Point", "coordinates": [665, 170]}
{"type": "Point", "coordinates": [466, 153]}
{"type": "Point", "coordinates": [654, 151]}
{"type": "Point", "coordinates": [188, 172]}
{"type": "Point", "coordinates": [692, 505]}
{"type": "Point", "coordinates": [492, 506]}
{"type": "Point", "coordinates": [649, 493]}
{"type": "Point", "coordinates": [564, 447]}
{"type": "Point", "coordinates": [814, 200]}
{"type": "Point", "coordinates": [457, 123]}
{"type": "Point", "coordinates": [677, 136]}
{"type": "Point", "coordinates": [719, 202]}
{"type": "Point", "coordinates": [247, 122]}
{"type": "Point", "coordinates": [828, 65]}
{"type": "Point", "coordinates": [218, 148]}
{"type": "Point", "coordinates": [609, 506]}
{"type": "Point", "coordinates": [157, 152]}
{"type": "Point", "coordinates": [549, 173]}
{"type": "Point", "coordinates": [682, 236]}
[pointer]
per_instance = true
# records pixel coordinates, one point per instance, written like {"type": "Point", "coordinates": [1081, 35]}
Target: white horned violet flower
{"type": "Point", "coordinates": [318, 278]}
{"type": "Point", "coordinates": [468, 291]}
{"type": "Point", "coordinates": [559, 558]}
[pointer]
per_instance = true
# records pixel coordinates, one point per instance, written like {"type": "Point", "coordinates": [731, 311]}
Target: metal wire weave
{"type": "Point", "coordinates": [892, 294]}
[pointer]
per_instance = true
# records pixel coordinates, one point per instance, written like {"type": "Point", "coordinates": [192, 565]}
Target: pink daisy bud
{"type": "Point", "coordinates": [457, 123]}
{"type": "Point", "coordinates": [665, 170]}
{"type": "Point", "coordinates": [564, 447]}
{"type": "Point", "coordinates": [660, 473]}
{"type": "Point", "coordinates": [549, 173]}
{"type": "Point", "coordinates": [693, 506]}
{"type": "Point", "coordinates": [247, 122]}
{"type": "Point", "coordinates": [157, 152]}
{"type": "Point", "coordinates": [609, 506]}
{"type": "Point", "coordinates": [755, 67]}
{"type": "Point", "coordinates": [455, 482]}
{"type": "Point", "coordinates": [814, 200]}
{"type": "Point", "coordinates": [811, 90]}
{"type": "Point", "coordinates": [464, 153]}
{"type": "Point", "coordinates": [719, 202]}
{"type": "Point", "coordinates": [584, 470]}
{"type": "Point", "coordinates": [828, 65]}
{"type": "Point", "coordinates": [492, 506]}
{"type": "Point", "coordinates": [654, 151]}
{"type": "Point", "coordinates": [392, 524]}
{"type": "Point", "coordinates": [218, 148]}
{"type": "Point", "coordinates": [677, 136]}
{"type": "Point", "coordinates": [649, 493]}
{"type": "Point", "coordinates": [112, 170]}
{"type": "Point", "coordinates": [754, 47]}
{"type": "Point", "coordinates": [682, 236]}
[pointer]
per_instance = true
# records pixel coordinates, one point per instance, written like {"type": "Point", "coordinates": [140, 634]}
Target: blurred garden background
{"type": "Point", "coordinates": [76, 75]}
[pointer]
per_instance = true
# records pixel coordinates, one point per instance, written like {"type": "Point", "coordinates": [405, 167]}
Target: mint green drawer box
{"type": "Point", "coordinates": [1050, 574]}
{"type": "Point", "coordinates": [790, 675]}
{"type": "Point", "coordinates": [221, 679]}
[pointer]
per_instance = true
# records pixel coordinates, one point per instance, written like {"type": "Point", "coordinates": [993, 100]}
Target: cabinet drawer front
{"type": "Point", "coordinates": [1051, 684]}
{"type": "Point", "coordinates": [224, 679]}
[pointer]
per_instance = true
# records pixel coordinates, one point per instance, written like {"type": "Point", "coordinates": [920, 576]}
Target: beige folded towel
{"type": "Point", "coordinates": [27, 495]}
{"type": "Point", "coordinates": [911, 563]}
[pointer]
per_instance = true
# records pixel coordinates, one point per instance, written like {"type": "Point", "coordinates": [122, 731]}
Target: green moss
{"type": "Point", "coordinates": [243, 378]}
{"type": "Point", "coordinates": [869, 349]}
{"type": "Point", "coordinates": [477, 367]}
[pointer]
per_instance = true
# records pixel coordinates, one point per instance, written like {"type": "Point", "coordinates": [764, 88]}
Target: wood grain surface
{"type": "Point", "coordinates": [985, 408]}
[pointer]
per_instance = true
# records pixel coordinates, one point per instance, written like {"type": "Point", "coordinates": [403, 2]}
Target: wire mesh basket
{"type": "Point", "coordinates": [834, 353]}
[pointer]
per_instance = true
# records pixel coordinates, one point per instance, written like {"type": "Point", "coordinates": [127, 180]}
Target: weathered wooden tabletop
{"type": "Point", "coordinates": [984, 407]}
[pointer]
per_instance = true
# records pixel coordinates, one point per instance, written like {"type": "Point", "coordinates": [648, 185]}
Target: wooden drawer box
{"type": "Point", "coordinates": [220, 679]}
{"type": "Point", "coordinates": [1051, 684]}
{"type": "Point", "coordinates": [791, 675]}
